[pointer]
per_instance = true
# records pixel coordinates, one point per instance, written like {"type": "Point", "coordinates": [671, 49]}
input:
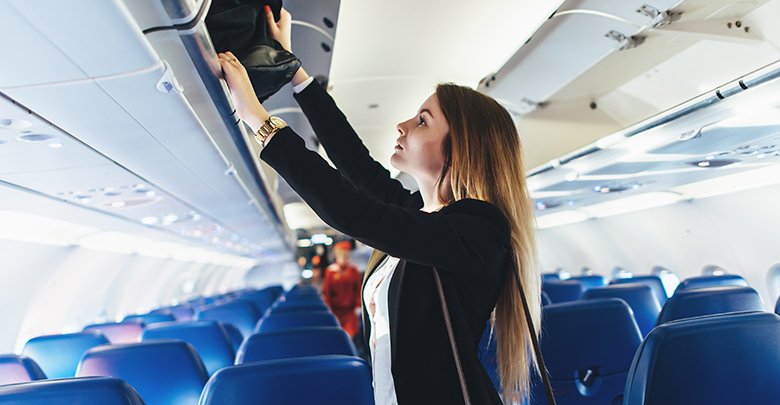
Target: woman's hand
{"type": "Point", "coordinates": [280, 31]}
{"type": "Point", "coordinates": [248, 107]}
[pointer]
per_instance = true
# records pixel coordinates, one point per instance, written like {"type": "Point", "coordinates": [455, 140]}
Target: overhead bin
{"type": "Point", "coordinates": [152, 105]}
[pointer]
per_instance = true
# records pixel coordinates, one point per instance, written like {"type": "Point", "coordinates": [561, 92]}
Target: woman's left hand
{"type": "Point", "coordinates": [248, 107]}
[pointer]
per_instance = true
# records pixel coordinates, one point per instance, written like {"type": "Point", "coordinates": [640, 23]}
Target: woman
{"type": "Point", "coordinates": [471, 221]}
{"type": "Point", "coordinates": [341, 288]}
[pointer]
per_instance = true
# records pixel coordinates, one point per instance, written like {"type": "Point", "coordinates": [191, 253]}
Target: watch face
{"type": "Point", "coordinates": [278, 122]}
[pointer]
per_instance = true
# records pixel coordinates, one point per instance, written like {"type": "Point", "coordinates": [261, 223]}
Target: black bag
{"type": "Point", "coordinates": [239, 26]}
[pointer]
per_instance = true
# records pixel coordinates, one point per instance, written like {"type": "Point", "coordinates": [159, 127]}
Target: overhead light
{"type": "Point", "coordinates": [17, 124]}
{"type": "Point", "coordinates": [560, 218]}
{"type": "Point", "coordinates": [55, 145]}
{"type": "Point", "coordinates": [319, 238]}
{"type": "Point", "coordinates": [572, 176]}
{"type": "Point", "coordinates": [118, 204]}
{"type": "Point", "coordinates": [632, 203]}
{"type": "Point", "coordinates": [169, 219]}
{"type": "Point", "coordinates": [304, 243]}
{"type": "Point", "coordinates": [35, 138]}
{"type": "Point", "coordinates": [150, 220]}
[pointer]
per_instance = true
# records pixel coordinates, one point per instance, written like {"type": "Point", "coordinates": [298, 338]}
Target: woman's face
{"type": "Point", "coordinates": [418, 149]}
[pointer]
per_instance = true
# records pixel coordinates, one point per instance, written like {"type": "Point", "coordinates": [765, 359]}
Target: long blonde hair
{"type": "Point", "coordinates": [485, 162]}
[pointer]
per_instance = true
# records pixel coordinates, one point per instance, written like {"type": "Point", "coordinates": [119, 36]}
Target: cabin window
{"type": "Point", "coordinates": [773, 280]}
{"type": "Point", "coordinates": [669, 279]}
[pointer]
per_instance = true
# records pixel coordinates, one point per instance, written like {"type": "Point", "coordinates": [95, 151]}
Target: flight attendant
{"type": "Point", "coordinates": [341, 288]}
{"type": "Point", "coordinates": [469, 231]}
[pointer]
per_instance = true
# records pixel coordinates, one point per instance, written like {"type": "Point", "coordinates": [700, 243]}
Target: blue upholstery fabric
{"type": "Point", "coordinates": [16, 369]}
{"type": "Point", "coordinates": [720, 359]}
{"type": "Point", "coordinates": [149, 318]}
{"type": "Point", "coordinates": [294, 320]}
{"type": "Point", "coordinates": [487, 355]}
{"type": "Point", "coordinates": [164, 372]}
{"type": "Point", "coordinates": [550, 277]}
{"type": "Point", "coordinates": [242, 313]}
{"type": "Point", "coordinates": [639, 297]}
{"type": "Point", "coordinates": [654, 282]}
{"type": "Point", "coordinates": [709, 301]}
{"type": "Point", "coordinates": [545, 299]}
{"type": "Point", "coordinates": [562, 291]}
{"type": "Point", "coordinates": [295, 343]}
{"type": "Point", "coordinates": [590, 281]}
{"type": "Point", "coordinates": [777, 306]}
{"type": "Point", "coordinates": [91, 390]}
{"type": "Point", "coordinates": [262, 299]}
{"type": "Point", "coordinates": [116, 333]}
{"type": "Point", "coordinates": [182, 312]}
{"type": "Point", "coordinates": [711, 281]}
{"type": "Point", "coordinates": [208, 338]}
{"type": "Point", "coordinates": [588, 347]}
{"type": "Point", "coordinates": [299, 307]}
{"type": "Point", "coordinates": [59, 355]}
{"type": "Point", "coordinates": [303, 298]}
{"type": "Point", "coordinates": [322, 380]}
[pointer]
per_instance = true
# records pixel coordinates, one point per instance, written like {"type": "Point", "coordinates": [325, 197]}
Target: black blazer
{"type": "Point", "coordinates": [467, 241]}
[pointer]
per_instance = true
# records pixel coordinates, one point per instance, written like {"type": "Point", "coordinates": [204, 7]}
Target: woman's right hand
{"type": "Point", "coordinates": [280, 30]}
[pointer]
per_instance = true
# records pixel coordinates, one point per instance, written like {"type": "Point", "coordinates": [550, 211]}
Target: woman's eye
{"type": "Point", "coordinates": [421, 121]}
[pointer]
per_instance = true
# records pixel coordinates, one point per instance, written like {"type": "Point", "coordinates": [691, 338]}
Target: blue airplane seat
{"type": "Point", "coordinates": [329, 380]}
{"type": "Point", "coordinates": [163, 372]}
{"type": "Point", "coordinates": [242, 313]}
{"type": "Point", "coordinates": [295, 307]}
{"type": "Point", "coordinates": [487, 355]}
{"type": "Point", "coordinates": [562, 291]}
{"type": "Point", "coordinates": [59, 355]}
{"type": "Point", "coordinates": [70, 391]}
{"type": "Point", "coordinates": [711, 281]}
{"type": "Point", "coordinates": [262, 299]}
{"type": "Point", "coordinates": [149, 318]}
{"type": "Point", "coordinates": [308, 298]}
{"type": "Point", "coordinates": [236, 338]}
{"type": "Point", "coordinates": [716, 359]}
{"type": "Point", "coordinates": [654, 282]}
{"type": "Point", "coordinates": [545, 299]}
{"type": "Point", "coordinates": [294, 320]}
{"type": "Point", "coordinates": [182, 312]}
{"type": "Point", "coordinates": [209, 339]}
{"type": "Point", "coordinates": [639, 297]}
{"type": "Point", "coordinates": [295, 343]}
{"type": "Point", "coordinates": [591, 281]}
{"type": "Point", "coordinates": [709, 301]}
{"type": "Point", "coordinates": [550, 276]}
{"type": "Point", "coordinates": [118, 332]}
{"type": "Point", "coordinates": [777, 306]}
{"type": "Point", "coordinates": [16, 369]}
{"type": "Point", "coordinates": [588, 346]}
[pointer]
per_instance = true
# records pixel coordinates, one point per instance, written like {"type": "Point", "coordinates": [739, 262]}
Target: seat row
{"type": "Point", "coordinates": [183, 354]}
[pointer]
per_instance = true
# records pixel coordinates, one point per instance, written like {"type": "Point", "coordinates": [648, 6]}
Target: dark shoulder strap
{"type": "Point", "coordinates": [535, 341]}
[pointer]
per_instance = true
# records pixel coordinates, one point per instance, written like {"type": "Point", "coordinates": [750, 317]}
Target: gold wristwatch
{"type": "Point", "coordinates": [271, 126]}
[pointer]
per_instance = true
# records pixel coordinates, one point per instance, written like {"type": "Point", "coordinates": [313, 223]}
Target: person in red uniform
{"type": "Point", "coordinates": [341, 288]}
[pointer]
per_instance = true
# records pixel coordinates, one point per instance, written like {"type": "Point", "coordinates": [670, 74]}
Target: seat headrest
{"type": "Point", "coordinates": [116, 333]}
{"type": "Point", "coordinates": [242, 313]}
{"type": "Point", "coordinates": [639, 297]}
{"type": "Point", "coordinates": [162, 371]}
{"type": "Point", "coordinates": [59, 355]}
{"type": "Point", "coordinates": [292, 320]}
{"type": "Point", "coordinates": [16, 369]}
{"type": "Point", "coordinates": [711, 281]}
{"type": "Point", "coordinates": [290, 343]}
{"type": "Point", "coordinates": [708, 301]}
{"type": "Point", "coordinates": [717, 359]}
{"type": "Point", "coordinates": [209, 339]}
{"type": "Point", "coordinates": [590, 281]}
{"type": "Point", "coordinates": [87, 390]}
{"type": "Point", "coordinates": [598, 333]}
{"type": "Point", "coordinates": [149, 318]}
{"type": "Point", "coordinates": [654, 282]}
{"type": "Point", "coordinates": [562, 291]}
{"type": "Point", "coordinates": [329, 380]}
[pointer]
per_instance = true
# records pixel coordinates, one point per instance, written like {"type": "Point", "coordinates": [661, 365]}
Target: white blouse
{"type": "Point", "coordinates": [375, 301]}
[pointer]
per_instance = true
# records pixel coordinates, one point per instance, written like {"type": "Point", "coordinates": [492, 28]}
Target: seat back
{"type": "Point", "coordinates": [162, 371]}
{"type": "Point", "coordinates": [329, 380]}
{"type": "Point", "coordinates": [182, 312]}
{"type": "Point", "coordinates": [295, 320]}
{"type": "Point", "coordinates": [719, 359]}
{"type": "Point", "coordinates": [591, 281]}
{"type": "Point", "coordinates": [708, 301]}
{"type": "Point", "coordinates": [16, 369]}
{"type": "Point", "coordinates": [639, 297]}
{"type": "Point", "coordinates": [654, 282]}
{"type": "Point", "coordinates": [235, 336]}
{"type": "Point", "coordinates": [545, 299]}
{"type": "Point", "coordinates": [588, 347]}
{"type": "Point", "coordinates": [295, 343]}
{"type": "Point", "coordinates": [59, 355]}
{"type": "Point", "coordinates": [117, 333]}
{"type": "Point", "coordinates": [299, 307]}
{"type": "Point", "coordinates": [242, 313]}
{"type": "Point", "coordinates": [149, 318]}
{"type": "Point", "coordinates": [562, 291]}
{"type": "Point", "coordinates": [89, 390]}
{"type": "Point", "coordinates": [209, 339]}
{"type": "Point", "coordinates": [711, 281]}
